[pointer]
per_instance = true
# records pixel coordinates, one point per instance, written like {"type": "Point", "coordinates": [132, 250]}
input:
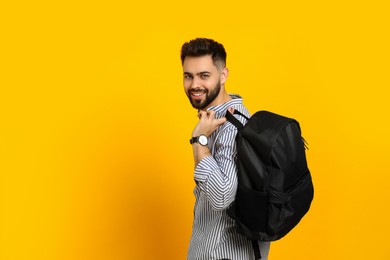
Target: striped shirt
{"type": "Point", "coordinates": [213, 232]}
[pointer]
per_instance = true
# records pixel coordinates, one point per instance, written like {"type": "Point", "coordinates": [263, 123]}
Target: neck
{"type": "Point", "coordinates": [226, 98]}
{"type": "Point", "coordinates": [221, 99]}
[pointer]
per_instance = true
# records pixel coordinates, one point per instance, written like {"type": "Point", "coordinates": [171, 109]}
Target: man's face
{"type": "Point", "coordinates": [202, 81]}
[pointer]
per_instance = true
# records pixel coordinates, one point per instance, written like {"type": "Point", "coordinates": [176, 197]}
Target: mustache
{"type": "Point", "coordinates": [197, 90]}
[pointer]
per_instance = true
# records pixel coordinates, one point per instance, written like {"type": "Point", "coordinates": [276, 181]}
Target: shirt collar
{"type": "Point", "coordinates": [220, 110]}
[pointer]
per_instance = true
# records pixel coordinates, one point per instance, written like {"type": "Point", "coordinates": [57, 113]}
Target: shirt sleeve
{"type": "Point", "coordinates": [217, 175]}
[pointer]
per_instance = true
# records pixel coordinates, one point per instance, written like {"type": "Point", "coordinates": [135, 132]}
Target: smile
{"type": "Point", "coordinates": [197, 93]}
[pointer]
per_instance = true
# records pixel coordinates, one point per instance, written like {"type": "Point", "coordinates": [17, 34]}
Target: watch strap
{"type": "Point", "coordinates": [194, 139]}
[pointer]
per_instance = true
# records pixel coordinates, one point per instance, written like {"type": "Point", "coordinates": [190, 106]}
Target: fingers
{"type": "Point", "coordinates": [201, 114]}
{"type": "Point", "coordinates": [210, 115]}
{"type": "Point", "coordinates": [220, 121]}
{"type": "Point", "coordinates": [206, 114]}
{"type": "Point", "coordinates": [207, 123]}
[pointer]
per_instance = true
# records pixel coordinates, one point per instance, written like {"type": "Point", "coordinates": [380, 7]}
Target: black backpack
{"type": "Point", "coordinates": [275, 188]}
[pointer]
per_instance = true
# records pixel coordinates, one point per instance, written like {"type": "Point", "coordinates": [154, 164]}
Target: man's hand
{"type": "Point", "coordinates": [207, 123]}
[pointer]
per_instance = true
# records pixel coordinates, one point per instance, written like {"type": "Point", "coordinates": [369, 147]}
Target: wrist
{"type": "Point", "coordinates": [200, 139]}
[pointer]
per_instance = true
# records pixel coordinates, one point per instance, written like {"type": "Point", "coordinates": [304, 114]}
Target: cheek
{"type": "Point", "coordinates": [212, 82]}
{"type": "Point", "coordinates": [187, 86]}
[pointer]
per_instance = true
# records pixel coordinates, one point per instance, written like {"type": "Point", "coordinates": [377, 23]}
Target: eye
{"type": "Point", "coordinates": [204, 76]}
{"type": "Point", "coordinates": [187, 76]}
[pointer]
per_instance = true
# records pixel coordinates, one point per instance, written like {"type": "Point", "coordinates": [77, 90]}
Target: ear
{"type": "Point", "coordinates": [224, 75]}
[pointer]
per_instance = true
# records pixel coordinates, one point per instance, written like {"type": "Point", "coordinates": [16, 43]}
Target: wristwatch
{"type": "Point", "coordinates": [202, 140]}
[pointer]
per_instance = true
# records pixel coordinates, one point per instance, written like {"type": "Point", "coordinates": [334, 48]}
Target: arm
{"type": "Point", "coordinates": [207, 125]}
{"type": "Point", "coordinates": [216, 176]}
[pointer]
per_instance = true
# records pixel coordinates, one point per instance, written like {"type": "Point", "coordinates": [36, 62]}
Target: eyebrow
{"type": "Point", "coordinates": [199, 73]}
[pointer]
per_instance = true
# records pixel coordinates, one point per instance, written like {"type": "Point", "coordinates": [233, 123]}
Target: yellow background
{"type": "Point", "coordinates": [94, 122]}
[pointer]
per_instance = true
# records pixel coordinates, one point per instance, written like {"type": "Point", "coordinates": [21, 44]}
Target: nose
{"type": "Point", "coordinates": [196, 83]}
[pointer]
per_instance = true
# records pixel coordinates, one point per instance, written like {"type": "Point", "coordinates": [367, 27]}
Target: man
{"type": "Point", "coordinates": [214, 150]}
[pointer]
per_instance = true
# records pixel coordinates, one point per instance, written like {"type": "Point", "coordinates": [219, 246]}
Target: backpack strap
{"type": "Point", "coordinates": [232, 119]}
{"type": "Point", "coordinates": [229, 116]}
{"type": "Point", "coordinates": [256, 249]}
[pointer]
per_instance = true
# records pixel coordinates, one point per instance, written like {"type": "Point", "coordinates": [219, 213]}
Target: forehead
{"type": "Point", "coordinates": [197, 64]}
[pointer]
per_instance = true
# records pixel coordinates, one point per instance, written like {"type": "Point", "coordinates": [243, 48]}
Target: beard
{"type": "Point", "coordinates": [209, 96]}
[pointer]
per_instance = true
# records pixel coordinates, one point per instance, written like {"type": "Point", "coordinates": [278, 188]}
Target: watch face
{"type": "Point", "coordinates": [203, 140]}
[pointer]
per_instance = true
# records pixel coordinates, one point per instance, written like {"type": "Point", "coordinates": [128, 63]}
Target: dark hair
{"type": "Point", "coordinates": [203, 46]}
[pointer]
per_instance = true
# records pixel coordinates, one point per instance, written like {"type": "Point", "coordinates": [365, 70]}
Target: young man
{"type": "Point", "coordinates": [213, 144]}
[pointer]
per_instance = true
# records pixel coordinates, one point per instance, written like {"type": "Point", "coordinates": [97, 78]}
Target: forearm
{"type": "Point", "coordinates": [217, 181]}
{"type": "Point", "coordinates": [206, 126]}
{"type": "Point", "coordinates": [217, 175]}
{"type": "Point", "coordinates": [200, 152]}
